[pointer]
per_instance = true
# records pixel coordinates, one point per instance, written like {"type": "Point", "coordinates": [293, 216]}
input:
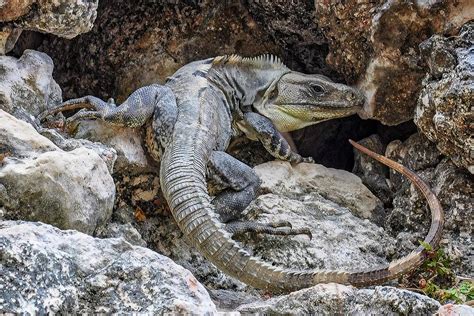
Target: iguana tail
{"type": "Point", "coordinates": [183, 181]}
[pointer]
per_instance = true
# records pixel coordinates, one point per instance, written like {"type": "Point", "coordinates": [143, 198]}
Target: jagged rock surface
{"type": "Point", "coordinates": [336, 299]}
{"type": "Point", "coordinates": [27, 85]}
{"type": "Point", "coordinates": [445, 109]}
{"type": "Point", "coordinates": [372, 173]}
{"type": "Point", "coordinates": [46, 270]}
{"type": "Point", "coordinates": [130, 47]}
{"type": "Point", "coordinates": [352, 38]}
{"type": "Point", "coordinates": [65, 18]}
{"type": "Point", "coordinates": [40, 182]}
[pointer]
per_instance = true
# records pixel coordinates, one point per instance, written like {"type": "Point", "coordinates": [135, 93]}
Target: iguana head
{"type": "Point", "coordinates": [296, 100]}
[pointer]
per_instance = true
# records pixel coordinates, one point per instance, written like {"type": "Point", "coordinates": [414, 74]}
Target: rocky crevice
{"type": "Point", "coordinates": [107, 186]}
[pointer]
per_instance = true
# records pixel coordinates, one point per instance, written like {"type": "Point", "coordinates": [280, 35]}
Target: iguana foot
{"type": "Point", "coordinates": [139, 107]}
{"type": "Point", "coordinates": [282, 228]}
{"type": "Point", "coordinates": [87, 102]}
{"type": "Point", "coordinates": [307, 159]}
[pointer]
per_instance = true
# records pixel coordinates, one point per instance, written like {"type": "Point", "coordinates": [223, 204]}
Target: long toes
{"type": "Point", "coordinates": [293, 231]}
{"type": "Point", "coordinates": [281, 224]}
{"type": "Point", "coordinates": [308, 159]}
{"type": "Point", "coordinates": [305, 231]}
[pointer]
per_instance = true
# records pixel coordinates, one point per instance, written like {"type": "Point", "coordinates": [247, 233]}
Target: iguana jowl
{"type": "Point", "coordinates": [192, 119]}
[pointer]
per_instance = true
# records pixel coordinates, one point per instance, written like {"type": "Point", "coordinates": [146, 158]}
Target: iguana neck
{"type": "Point", "coordinates": [244, 80]}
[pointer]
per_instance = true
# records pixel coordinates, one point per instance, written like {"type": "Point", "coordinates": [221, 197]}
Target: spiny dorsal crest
{"type": "Point", "coordinates": [265, 61]}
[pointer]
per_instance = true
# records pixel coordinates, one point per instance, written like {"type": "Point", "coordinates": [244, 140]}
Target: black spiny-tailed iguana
{"type": "Point", "coordinates": [192, 119]}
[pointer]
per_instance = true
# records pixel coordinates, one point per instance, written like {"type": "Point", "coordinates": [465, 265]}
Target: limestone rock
{"type": "Point", "coordinates": [455, 310]}
{"type": "Point", "coordinates": [128, 142]}
{"type": "Point", "coordinates": [372, 173]}
{"type": "Point", "coordinates": [13, 9]}
{"type": "Point", "coordinates": [8, 38]}
{"type": "Point", "coordinates": [46, 270]}
{"type": "Point", "coordinates": [116, 58]}
{"type": "Point", "coordinates": [373, 44]}
{"type": "Point", "coordinates": [445, 109]}
{"type": "Point", "coordinates": [125, 231]}
{"type": "Point", "coordinates": [333, 184]}
{"type": "Point", "coordinates": [386, 66]}
{"type": "Point", "coordinates": [330, 299]}
{"type": "Point", "coordinates": [65, 18]}
{"type": "Point", "coordinates": [72, 190]}
{"type": "Point", "coordinates": [309, 195]}
{"type": "Point", "coordinates": [27, 85]}
{"type": "Point", "coordinates": [454, 187]}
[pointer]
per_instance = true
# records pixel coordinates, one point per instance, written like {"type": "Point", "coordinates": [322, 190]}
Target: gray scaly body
{"type": "Point", "coordinates": [192, 120]}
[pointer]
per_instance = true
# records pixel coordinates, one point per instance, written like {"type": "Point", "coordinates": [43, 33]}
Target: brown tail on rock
{"type": "Point", "coordinates": [415, 258]}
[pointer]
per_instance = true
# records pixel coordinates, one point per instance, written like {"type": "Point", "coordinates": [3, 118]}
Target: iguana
{"type": "Point", "coordinates": [191, 120]}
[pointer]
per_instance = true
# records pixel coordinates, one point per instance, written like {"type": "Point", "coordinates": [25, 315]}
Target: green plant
{"type": "Point", "coordinates": [436, 279]}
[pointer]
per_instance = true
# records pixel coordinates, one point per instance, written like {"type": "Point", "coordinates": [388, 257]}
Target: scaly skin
{"type": "Point", "coordinates": [192, 119]}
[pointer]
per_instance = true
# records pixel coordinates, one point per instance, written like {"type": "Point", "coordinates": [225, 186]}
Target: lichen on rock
{"type": "Point", "coordinates": [65, 18]}
{"type": "Point", "coordinates": [72, 190]}
{"type": "Point", "coordinates": [445, 109]}
{"type": "Point", "coordinates": [46, 270]}
{"type": "Point", "coordinates": [27, 86]}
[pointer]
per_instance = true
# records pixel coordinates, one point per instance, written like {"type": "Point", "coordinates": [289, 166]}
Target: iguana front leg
{"type": "Point", "coordinates": [241, 184]}
{"type": "Point", "coordinates": [133, 112]}
{"type": "Point", "coordinates": [271, 139]}
{"type": "Point", "coordinates": [150, 101]}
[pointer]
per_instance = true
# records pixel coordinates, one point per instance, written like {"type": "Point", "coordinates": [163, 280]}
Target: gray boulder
{"type": "Point", "coordinates": [336, 299]}
{"type": "Point", "coordinates": [331, 203]}
{"type": "Point", "coordinates": [444, 111]}
{"type": "Point", "coordinates": [40, 182]}
{"type": "Point", "coordinates": [27, 86]}
{"type": "Point", "coordinates": [65, 18]}
{"type": "Point", "coordinates": [46, 270]}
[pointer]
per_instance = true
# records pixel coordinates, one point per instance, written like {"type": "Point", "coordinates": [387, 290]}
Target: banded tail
{"type": "Point", "coordinates": [183, 173]}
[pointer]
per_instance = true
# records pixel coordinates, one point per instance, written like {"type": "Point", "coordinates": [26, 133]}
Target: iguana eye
{"type": "Point", "coordinates": [317, 89]}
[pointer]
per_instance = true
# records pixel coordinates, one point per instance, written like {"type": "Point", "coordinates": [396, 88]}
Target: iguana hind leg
{"type": "Point", "coordinates": [241, 184]}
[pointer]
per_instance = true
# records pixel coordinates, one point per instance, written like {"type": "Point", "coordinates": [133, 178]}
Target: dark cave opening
{"type": "Point", "coordinates": [327, 142]}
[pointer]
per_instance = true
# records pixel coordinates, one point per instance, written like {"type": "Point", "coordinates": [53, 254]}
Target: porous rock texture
{"type": "Point", "coordinates": [27, 86]}
{"type": "Point", "coordinates": [65, 18]}
{"type": "Point", "coordinates": [372, 173]}
{"type": "Point", "coordinates": [373, 44]}
{"type": "Point", "coordinates": [310, 195]}
{"type": "Point", "coordinates": [143, 42]}
{"type": "Point", "coordinates": [41, 182]}
{"type": "Point", "coordinates": [46, 270]}
{"type": "Point", "coordinates": [445, 109]}
{"type": "Point", "coordinates": [454, 187]}
{"type": "Point", "coordinates": [336, 299]}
